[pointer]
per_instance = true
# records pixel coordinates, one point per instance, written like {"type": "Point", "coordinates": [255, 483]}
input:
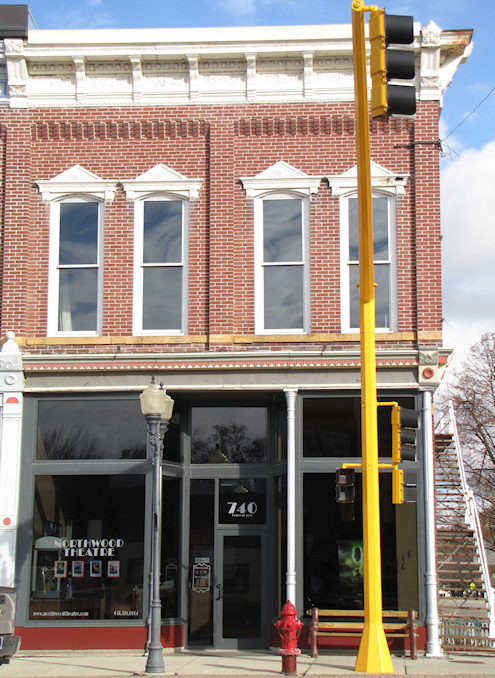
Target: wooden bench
{"type": "Point", "coordinates": [334, 623]}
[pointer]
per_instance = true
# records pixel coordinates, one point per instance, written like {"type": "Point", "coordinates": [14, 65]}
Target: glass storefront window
{"type": "Point", "coordinates": [235, 435]}
{"type": "Point", "coordinates": [88, 546]}
{"type": "Point", "coordinates": [333, 546]}
{"type": "Point", "coordinates": [90, 429]}
{"type": "Point", "coordinates": [170, 564]}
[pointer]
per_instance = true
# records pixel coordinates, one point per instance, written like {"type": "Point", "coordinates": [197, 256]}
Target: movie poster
{"type": "Point", "coordinates": [351, 567]}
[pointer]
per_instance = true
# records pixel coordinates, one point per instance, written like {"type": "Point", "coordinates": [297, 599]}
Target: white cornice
{"type": "Point", "coordinates": [381, 178]}
{"type": "Point", "coordinates": [280, 177]}
{"type": "Point", "coordinates": [77, 181]}
{"type": "Point", "coordinates": [162, 179]}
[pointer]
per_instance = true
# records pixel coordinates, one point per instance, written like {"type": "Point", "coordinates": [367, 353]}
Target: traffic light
{"type": "Point", "coordinates": [404, 425]}
{"type": "Point", "coordinates": [391, 64]}
{"type": "Point", "coordinates": [409, 422]}
{"type": "Point", "coordinates": [344, 485]}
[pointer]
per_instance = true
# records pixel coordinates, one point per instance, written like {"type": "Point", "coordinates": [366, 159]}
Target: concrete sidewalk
{"type": "Point", "coordinates": [124, 663]}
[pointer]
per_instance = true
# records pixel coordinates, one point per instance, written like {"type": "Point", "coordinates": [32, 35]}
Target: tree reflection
{"type": "Point", "coordinates": [228, 443]}
{"type": "Point", "coordinates": [64, 442]}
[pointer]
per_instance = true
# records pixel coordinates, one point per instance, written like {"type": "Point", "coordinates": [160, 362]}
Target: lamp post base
{"type": "Point", "coordinates": [155, 663]}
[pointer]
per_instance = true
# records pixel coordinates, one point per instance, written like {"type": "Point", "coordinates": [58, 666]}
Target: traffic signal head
{"type": "Point", "coordinates": [344, 485]}
{"type": "Point", "coordinates": [388, 64]}
{"type": "Point", "coordinates": [409, 422]}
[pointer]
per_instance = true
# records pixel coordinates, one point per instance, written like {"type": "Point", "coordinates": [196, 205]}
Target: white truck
{"type": "Point", "coordinates": [9, 644]}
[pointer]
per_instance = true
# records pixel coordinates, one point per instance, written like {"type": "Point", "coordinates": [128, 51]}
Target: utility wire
{"type": "Point", "coordinates": [469, 114]}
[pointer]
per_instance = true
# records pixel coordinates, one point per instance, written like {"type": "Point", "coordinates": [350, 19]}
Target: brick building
{"type": "Point", "coordinates": [182, 203]}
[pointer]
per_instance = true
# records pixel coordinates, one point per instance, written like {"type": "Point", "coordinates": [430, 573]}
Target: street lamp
{"type": "Point", "coordinates": [157, 408]}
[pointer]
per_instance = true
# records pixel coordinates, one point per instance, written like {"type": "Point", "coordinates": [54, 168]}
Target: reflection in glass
{"type": "Point", "coordinates": [78, 233]}
{"type": "Point", "coordinates": [282, 232]}
{"type": "Point", "coordinates": [162, 298]}
{"type": "Point", "coordinates": [380, 230]}
{"type": "Point", "coordinates": [223, 435]}
{"type": "Point", "coordinates": [333, 541]}
{"type": "Point", "coordinates": [242, 577]}
{"type": "Point", "coordinates": [162, 232]}
{"type": "Point", "coordinates": [382, 295]}
{"type": "Point", "coordinates": [90, 429]}
{"type": "Point", "coordinates": [88, 547]}
{"type": "Point", "coordinates": [78, 297]}
{"type": "Point", "coordinates": [284, 297]}
{"type": "Point", "coordinates": [201, 554]}
{"type": "Point", "coordinates": [170, 564]}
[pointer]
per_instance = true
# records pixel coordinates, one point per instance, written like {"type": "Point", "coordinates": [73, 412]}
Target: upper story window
{"type": "Point", "coordinates": [77, 198]}
{"type": "Point", "coordinates": [76, 285]}
{"type": "Point", "coordinates": [160, 265]}
{"type": "Point", "coordinates": [281, 213]}
{"type": "Point", "coordinates": [282, 285]}
{"type": "Point", "coordinates": [383, 262]}
{"type": "Point", "coordinates": [386, 188]}
{"type": "Point", "coordinates": [161, 215]}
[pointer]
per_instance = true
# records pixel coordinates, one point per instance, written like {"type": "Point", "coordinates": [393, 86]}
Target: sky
{"type": "Point", "coordinates": [467, 123]}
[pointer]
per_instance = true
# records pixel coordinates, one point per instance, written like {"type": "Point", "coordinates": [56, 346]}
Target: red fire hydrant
{"type": "Point", "coordinates": [289, 628]}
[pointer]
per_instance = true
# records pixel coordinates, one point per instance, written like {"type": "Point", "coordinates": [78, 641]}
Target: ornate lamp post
{"type": "Point", "coordinates": [157, 408]}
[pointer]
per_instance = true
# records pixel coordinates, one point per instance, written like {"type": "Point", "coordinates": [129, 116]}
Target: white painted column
{"type": "Point", "coordinates": [433, 644]}
{"type": "Point", "coordinates": [290, 577]}
{"type": "Point", "coordinates": [11, 387]}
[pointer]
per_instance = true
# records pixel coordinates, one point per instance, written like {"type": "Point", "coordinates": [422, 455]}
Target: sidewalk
{"type": "Point", "coordinates": [126, 663]}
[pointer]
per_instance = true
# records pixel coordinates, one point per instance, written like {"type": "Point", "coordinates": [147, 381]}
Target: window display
{"type": "Point", "coordinates": [88, 545]}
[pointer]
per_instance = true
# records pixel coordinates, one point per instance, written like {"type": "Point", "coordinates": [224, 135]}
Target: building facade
{"type": "Point", "coordinates": [182, 204]}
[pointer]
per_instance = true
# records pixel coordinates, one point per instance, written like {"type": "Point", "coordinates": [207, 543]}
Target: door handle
{"type": "Point", "coordinates": [219, 588]}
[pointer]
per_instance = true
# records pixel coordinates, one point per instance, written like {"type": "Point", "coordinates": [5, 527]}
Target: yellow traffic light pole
{"type": "Point", "coordinates": [374, 654]}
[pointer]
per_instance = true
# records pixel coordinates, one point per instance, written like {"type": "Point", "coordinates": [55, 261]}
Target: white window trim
{"type": "Point", "coordinates": [259, 264]}
{"type": "Point", "coordinates": [161, 183]}
{"type": "Point", "coordinates": [137, 315]}
{"type": "Point", "coordinates": [384, 183]}
{"type": "Point", "coordinates": [280, 181]}
{"type": "Point", "coordinates": [54, 269]}
{"type": "Point", "coordinates": [76, 184]}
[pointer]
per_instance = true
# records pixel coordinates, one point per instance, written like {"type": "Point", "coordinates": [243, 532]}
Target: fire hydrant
{"type": "Point", "coordinates": [289, 628]}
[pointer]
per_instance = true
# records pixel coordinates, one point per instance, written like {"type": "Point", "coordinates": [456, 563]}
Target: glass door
{"type": "Point", "coordinates": [239, 595]}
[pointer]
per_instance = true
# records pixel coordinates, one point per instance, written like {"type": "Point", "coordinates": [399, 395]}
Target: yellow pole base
{"type": "Point", "coordinates": [373, 655]}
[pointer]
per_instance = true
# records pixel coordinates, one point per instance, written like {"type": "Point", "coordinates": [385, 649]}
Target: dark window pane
{"type": "Point", "coordinates": [88, 546]}
{"type": "Point", "coordinates": [201, 561]}
{"type": "Point", "coordinates": [331, 427]}
{"type": "Point", "coordinates": [228, 435]}
{"type": "Point", "coordinates": [282, 230]}
{"type": "Point", "coordinates": [382, 295]}
{"type": "Point", "coordinates": [353, 230]}
{"type": "Point", "coordinates": [78, 295]}
{"type": "Point", "coordinates": [78, 233]}
{"type": "Point", "coordinates": [91, 429]}
{"type": "Point", "coordinates": [162, 232]}
{"type": "Point", "coordinates": [284, 297]}
{"type": "Point", "coordinates": [162, 298]}
{"type": "Point", "coordinates": [354, 296]}
{"type": "Point", "coordinates": [170, 579]}
{"type": "Point", "coordinates": [380, 229]}
{"type": "Point", "coordinates": [333, 547]}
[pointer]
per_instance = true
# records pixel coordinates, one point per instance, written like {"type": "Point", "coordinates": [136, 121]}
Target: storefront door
{"type": "Point", "coordinates": [239, 596]}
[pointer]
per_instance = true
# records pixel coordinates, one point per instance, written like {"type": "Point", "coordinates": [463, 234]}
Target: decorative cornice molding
{"type": "Point", "coordinates": [280, 177]}
{"type": "Point", "coordinates": [162, 179]}
{"type": "Point", "coordinates": [381, 178]}
{"type": "Point", "coordinates": [77, 181]}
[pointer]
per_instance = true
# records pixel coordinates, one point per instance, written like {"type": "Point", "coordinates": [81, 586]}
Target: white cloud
{"type": "Point", "coordinates": [468, 227]}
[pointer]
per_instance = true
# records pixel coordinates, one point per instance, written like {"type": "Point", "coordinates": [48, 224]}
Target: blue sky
{"type": "Point", "coordinates": [467, 121]}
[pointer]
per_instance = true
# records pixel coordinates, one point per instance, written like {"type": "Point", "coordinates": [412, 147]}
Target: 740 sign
{"type": "Point", "coordinates": [242, 509]}
{"type": "Point", "coordinates": [250, 508]}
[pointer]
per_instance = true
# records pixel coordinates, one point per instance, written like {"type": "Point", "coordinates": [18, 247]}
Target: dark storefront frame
{"type": "Point", "coordinates": [273, 471]}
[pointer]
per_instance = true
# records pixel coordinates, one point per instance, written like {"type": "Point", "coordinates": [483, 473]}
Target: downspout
{"type": "Point", "coordinates": [433, 644]}
{"type": "Point", "coordinates": [290, 576]}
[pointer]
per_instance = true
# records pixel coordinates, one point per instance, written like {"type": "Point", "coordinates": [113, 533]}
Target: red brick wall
{"type": "Point", "coordinates": [219, 145]}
